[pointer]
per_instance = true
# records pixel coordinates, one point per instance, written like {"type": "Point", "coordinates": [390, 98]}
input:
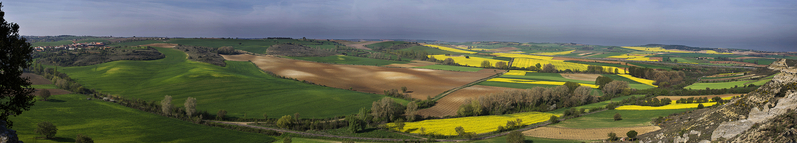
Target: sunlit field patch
{"type": "Point", "coordinates": [672, 105]}
{"type": "Point", "coordinates": [640, 80]}
{"type": "Point", "coordinates": [517, 72]}
{"type": "Point", "coordinates": [478, 124]}
{"type": "Point", "coordinates": [633, 57]}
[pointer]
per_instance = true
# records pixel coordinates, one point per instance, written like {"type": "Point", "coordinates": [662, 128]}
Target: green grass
{"type": "Point", "coordinates": [136, 43]}
{"type": "Point", "coordinates": [683, 60]}
{"type": "Point", "coordinates": [593, 105]}
{"type": "Point", "coordinates": [103, 121]}
{"type": "Point", "coordinates": [386, 44]}
{"type": "Point", "coordinates": [761, 61]}
{"type": "Point", "coordinates": [369, 133]}
{"type": "Point", "coordinates": [44, 86]}
{"type": "Point", "coordinates": [239, 88]}
{"type": "Point", "coordinates": [631, 83]}
{"type": "Point", "coordinates": [450, 68]}
{"type": "Point", "coordinates": [502, 139]}
{"type": "Point", "coordinates": [722, 77]}
{"type": "Point", "coordinates": [605, 119]}
{"type": "Point", "coordinates": [653, 66]}
{"type": "Point", "coordinates": [431, 51]}
{"type": "Point", "coordinates": [717, 85]}
{"type": "Point", "coordinates": [341, 59]}
{"type": "Point", "coordinates": [683, 55]}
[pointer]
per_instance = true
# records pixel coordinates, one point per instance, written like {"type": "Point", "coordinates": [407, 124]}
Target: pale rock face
{"type": "Point", "coordinates": [8, 135]}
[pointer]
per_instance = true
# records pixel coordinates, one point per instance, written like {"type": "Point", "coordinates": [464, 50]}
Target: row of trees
{"type": "Point", "coordinates": [662, 78]}
{"type": "Point", "coordinates": [534, 99]}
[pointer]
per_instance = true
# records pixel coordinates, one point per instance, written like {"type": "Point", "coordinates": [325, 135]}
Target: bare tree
{"type": "Point", "coordinates": [412, 108]}
{"type": "Point", "coordinates": [190, 106]}
{"type": "Point", "coordinates": [166, 104]}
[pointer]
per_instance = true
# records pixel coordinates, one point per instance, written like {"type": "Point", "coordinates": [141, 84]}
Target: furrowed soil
{"type": "Point", "coordinates": [450, 104]}
{"type": "Point", "coordinates": [370, 79]}
{"type": "Point", "coordinates": [36, 79]}
{"type": "Point", "coordinates": [585, 134]}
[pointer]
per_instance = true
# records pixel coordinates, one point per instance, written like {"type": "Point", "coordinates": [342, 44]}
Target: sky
{"type": "Point", "coordinates": [744, 24]}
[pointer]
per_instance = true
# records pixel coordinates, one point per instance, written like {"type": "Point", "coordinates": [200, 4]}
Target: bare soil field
{"type": "Point", "coordinates": [449, 104]}
{"type": "Point", "coordinates": [52, 92]}
{"type": "Point", "coordinates": [656, 58]}
{"type": "Point", "coordinates": [164, 45]}
{"type": "Point", "coordinates": [579, 76]}
{"type": "Point", "coordinates": [415, 63]}
{"type": "Point", "coordinates": [585, 134]}
{"type": "Point", "coordinates": [36, 79]}
{"type": "Point", "coordinates": [709, 96]}
{"type": "Point", "coordinates": [370, 79]}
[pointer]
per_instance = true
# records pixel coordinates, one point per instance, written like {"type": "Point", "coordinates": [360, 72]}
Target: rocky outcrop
{"type": "Point", "coordinates": [8, 135]}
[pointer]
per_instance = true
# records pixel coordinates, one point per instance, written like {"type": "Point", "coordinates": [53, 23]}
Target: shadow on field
{"type": "Point", "coordinates": [55, 100]}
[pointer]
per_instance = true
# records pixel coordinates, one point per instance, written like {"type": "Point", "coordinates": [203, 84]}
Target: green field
{"type": "Point", "coordinates": [431, 51]}
{"type": "Point", "coordinates": [135, 43]}
{"type": "Point", "coordinates": [502, 139]}
{"type": "Point", "coordinates": [717, 85]}
{"type": "Point", "coordinates": [593, 105]}
{"type": "Point", "coordinates": [605, 119]}
{"type": "Point", "coordinates": [239, 88]}
{"type": "Point", "coordinates": [683, 60]}
{"type": "Point", "coordinates": [513, 85]}
{"type": "Point", "coordinates": [722, 77]}
{"type": "Point", "coordinates": [110, 122]}
{"type": "Point", "coordinates": [761, 61]}
{"type": "Point", "coordinates": [386, 44]}
{"type": "Point", "coordinates": [341, 59]}
{"type": "Point", "coordinates": [450, 68]}
{"type": "Point", "coordinates": [251, 45]}
{"type": "Point", "coordinates": [44, 86]}
{"type": "Point", "coordinates": [652, 66]}
{"type": "Point", "coordinates": [66, 42]}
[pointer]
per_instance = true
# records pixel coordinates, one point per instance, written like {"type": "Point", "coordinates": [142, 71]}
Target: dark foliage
{"type": "Point", "coordinates": [85, 57]}
{"type": "Point", "coordinates": [203, 54]}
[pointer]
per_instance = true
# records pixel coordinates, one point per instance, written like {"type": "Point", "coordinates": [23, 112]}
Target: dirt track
{"type": "Point", "coordinates": [450, 104]}
{"type": "Point", "coordinates": [370, 79]}
{"type": "Point", "coordinates": [585, 134]}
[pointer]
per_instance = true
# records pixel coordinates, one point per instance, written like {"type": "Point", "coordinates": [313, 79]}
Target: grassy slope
{"type": "Point", "coordinates": [385, 44]}
{"type": "Point", "coordinates": [238, 88]}
{"type": "Point", "coordinates": [605, 119]}
{"type": "Point", "coordinates": [600, 64]}
{"type": "Point", "coordinates": [513, 85]}
{"type": "Point", "coordinates": [109, 122]}
{"type": "Point", "coordinates": [593, 105]}
{"type": "Point", "coordinates": [608, 54]}
{"type": "Point", "coordinates": [631, 83]}
{"type": "Point", "coordinates": [429, 50]}
{"type": "Point", "coordinates": [450, 68]}
{"type": "Point", "coordinates": [341, 59]}
{"type": "Point", "coordinates": [717, 85]}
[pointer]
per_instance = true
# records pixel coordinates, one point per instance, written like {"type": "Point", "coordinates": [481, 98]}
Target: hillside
{"type": "Point", "coordinates": [742, 119]}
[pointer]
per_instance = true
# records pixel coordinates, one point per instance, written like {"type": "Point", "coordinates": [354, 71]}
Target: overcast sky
{"type": "Point", "coordinates": [753, 24]}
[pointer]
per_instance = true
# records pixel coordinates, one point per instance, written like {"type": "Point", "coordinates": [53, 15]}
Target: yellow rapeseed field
{"type": "Point", "coordinates": [655, 49]}
{"type": "Point", "coordinates": [478, 124]}
{"type": "Point", "coordinates": [715, 52]}
{"type": "Point", "coordinates": [633, 57]}
{"type": "Point", "coordinates": [471, 61]}
{"type": "Point", "coordinates": [448, 49]}
{"type": "Point", "coordinates": [640, 80]}
{"type": "Point", "coordinates": [517, 72]}
{"type": "Point", "coordinates": [523, 56]}
{"type": "Point", "coordinates": [672, 105]}
{"type": "Point", "coordinates": [526, 81]}
{"type": "Point", "coordinates": [554, 53]}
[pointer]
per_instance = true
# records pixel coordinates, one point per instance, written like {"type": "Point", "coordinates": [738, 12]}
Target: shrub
{"type": "Point", "coordinates": [47, 129]}
{"type": "Point", "coordinates": [515, 137]}
{"type": "Point", "coordinates": [83, 139]}
{"type": "Point", "coordinates": [700, 106]}
{"type": "Point", "coordinates": [285, 122]}
{"type": "Point", "coordinates": [631, 134]}
{"type": "Point", "coordinates": [617, 117]}
{"type": "Point", "coordinates": [554, 120]}
{"type": "Point", "coordinates": [190, 106]}
{"type": "Point", "coordinates": [612, 136]}
{"type": "Point", "coordinates": [44, 94]}
{"type": "Point", "coordinates": [166, 104]}
{"type": "Point", "coordinates": [220, 114]}
{"type": "Point", "coordinates": [287, 139]}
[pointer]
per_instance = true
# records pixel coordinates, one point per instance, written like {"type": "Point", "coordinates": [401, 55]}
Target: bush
{"type": "Point", "coordinates": [612, 136]}
{"type": "Point", "coordinates": [700, 106]}
{"type": "Point", "coordinates": [631, 134]}
{"type": "Point", "coordinates": [617, 117]}
{"type": "Point", "coordinates": [83, 139]}
{"type": "Point", "coordinates": [515, 137]}
{"type": "Point", "coordinates": [44, 94]}
{"type": "Point", "coordinates": [47, 129]}
{"type": "Point", "coordinates": [554, 120]}
{"type": "Point", "coordinates": [286, 139]}
{"type": "Point", "coordinates": [285, 122]}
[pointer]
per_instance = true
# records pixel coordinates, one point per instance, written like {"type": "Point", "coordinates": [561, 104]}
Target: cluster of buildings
{"type": "Point", "coordinates": [72, 46]}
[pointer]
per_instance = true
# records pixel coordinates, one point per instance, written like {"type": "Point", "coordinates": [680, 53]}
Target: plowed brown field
{"type": "Point", "coordinates": [449, 104]}
{"type": "Point", "coordinates": [585, 134]}
{"type": "Point", "coordinates": [370, 79]}
{"type": "Point", "coordinates": [579, 76]}
{"type": "Point", "coordinates": [36, 79]}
